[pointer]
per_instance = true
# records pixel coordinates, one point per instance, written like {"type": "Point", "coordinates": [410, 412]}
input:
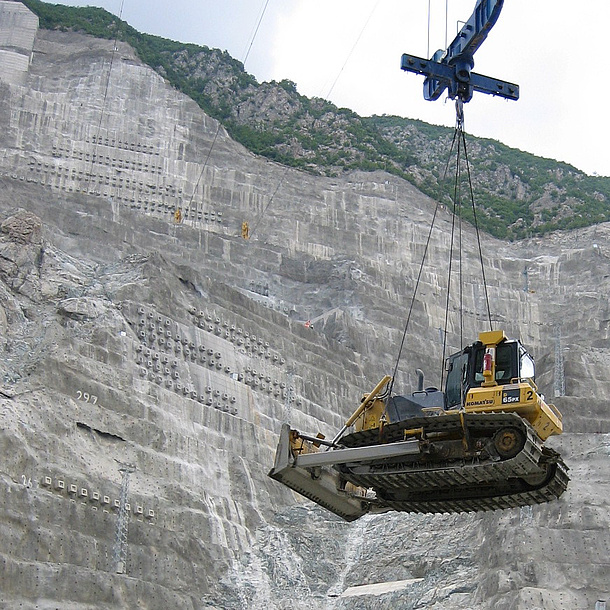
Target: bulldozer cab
{"type": "Point", "coordinates": [465, 369]}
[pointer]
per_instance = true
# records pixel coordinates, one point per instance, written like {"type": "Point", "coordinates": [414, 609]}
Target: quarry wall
{"type": "Point", "coordinates": [179, 348]}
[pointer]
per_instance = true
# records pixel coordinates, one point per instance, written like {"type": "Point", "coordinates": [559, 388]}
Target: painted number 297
{"type": "Point", "coordinates": [91, 398]}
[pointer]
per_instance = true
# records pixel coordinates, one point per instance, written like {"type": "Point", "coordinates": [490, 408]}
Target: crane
{"type": "Point", "coordinates": [451, 69]}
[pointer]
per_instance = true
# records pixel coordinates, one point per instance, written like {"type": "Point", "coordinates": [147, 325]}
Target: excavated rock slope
{"type": "Point", "coordinates": [180, 348]}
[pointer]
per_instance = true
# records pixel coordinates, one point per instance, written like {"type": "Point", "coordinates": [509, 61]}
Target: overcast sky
{"type": "Point", "coordinates": [349, 51]}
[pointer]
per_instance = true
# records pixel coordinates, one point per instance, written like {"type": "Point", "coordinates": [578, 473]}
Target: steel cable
{"type": "Point", "coordinates": [456, 224]}
{"type": "Point", "coordinates": [205, 163]}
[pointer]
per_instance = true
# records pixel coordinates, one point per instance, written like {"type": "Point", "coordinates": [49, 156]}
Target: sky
{"type": "Point", "coordinates": [348, 51]}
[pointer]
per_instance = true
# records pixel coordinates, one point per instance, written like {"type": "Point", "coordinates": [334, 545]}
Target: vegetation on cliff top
{"type": "Point", "coordinates": [517, 193]}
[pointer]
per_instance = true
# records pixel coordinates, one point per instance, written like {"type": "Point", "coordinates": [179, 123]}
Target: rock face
{"type": "Point", "coordinates": [127, 338]}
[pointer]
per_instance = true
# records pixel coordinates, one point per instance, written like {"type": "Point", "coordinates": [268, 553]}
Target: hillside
{"type": "Point", "coordinates": [179, 349]}
{"type": "Point", "coordinates": [518, 194]}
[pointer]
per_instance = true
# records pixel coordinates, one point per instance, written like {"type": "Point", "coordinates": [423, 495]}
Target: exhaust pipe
{"type": "Point", "coordinates": [420, 380]}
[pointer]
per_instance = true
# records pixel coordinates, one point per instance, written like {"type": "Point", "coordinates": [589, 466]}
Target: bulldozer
{"type": "Point", "coordinates": [476, 446]}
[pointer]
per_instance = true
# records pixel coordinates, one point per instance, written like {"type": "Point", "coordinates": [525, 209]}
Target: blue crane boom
{"type": "Point", "coordinates": [451, 69]}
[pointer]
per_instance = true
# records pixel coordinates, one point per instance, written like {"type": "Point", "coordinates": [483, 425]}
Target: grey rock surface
{"type": "Point", "coordinates": [18, 27]}
{"type": "Point", "coordinates": [180, 348]}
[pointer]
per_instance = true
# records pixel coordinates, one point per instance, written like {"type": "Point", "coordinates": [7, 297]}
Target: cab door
{"type": "Point", "coordinates": [457, 379]}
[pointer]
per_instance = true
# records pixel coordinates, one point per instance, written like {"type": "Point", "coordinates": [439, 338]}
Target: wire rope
{"type": "Point", "coordinates": [459, 137]}
{"type": "Point", "coordinates": [205, 163]}
{"type": "Point", "coordinates": [271, 199]}
{"type": "Point", "coordinates": [420, 272]}
{"type": "Point", "coordinates": [177, 214]}
{"type": "Point", "coordinates": [351, 52]}
{"type": "Point", "coordinates": [413, 297]}
{"type": "Point", "coordinates": [253, 38]}
{"type": "Point", "coordinates": [349, 55]}
{"type": "Point", "coordinates": [446, 23]}
{"type": "Point", "coordinates": [428, 46]}
{"type": "Point", "coordinates": [476, 226]}
{"type": "Point", "coordinates": [454, 218]}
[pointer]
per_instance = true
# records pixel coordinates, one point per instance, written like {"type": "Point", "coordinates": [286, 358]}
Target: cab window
{"type": "Point", "coordinates": [456, 379]}
{"type": "Point", "coordinates": [505, 364]}
{"type": "Point", "coordinates": [527, 367]}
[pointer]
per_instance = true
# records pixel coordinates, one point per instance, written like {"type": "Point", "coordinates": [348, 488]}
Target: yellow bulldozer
{"type": "Point", "coordinates": [476, 446]}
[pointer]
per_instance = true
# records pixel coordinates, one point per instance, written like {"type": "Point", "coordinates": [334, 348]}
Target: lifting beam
{"type": "Point", "coordinates": [451, 69]}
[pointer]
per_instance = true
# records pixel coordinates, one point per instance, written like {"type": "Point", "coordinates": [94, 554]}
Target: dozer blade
{"type": "Point", "coordinates": [323, 489]}
{"type": "Point", "coordinates": [313, 474]}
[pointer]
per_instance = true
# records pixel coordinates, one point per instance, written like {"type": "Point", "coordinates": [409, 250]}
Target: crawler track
{"type": "Point", "coordinates": [477, 483]}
